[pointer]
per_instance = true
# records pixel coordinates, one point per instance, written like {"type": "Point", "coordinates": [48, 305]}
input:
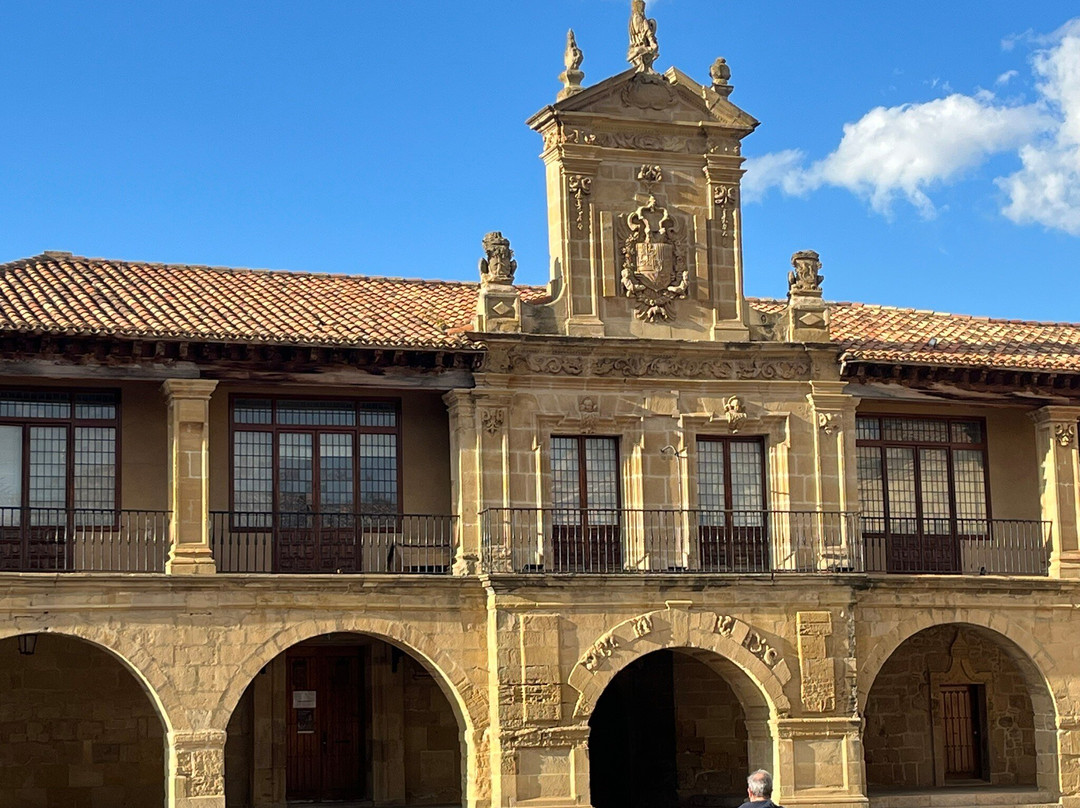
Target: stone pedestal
{"type": "Point", "coordinates": [1059, 483]}
{"type": "Point", "coordinates": [196, 769]}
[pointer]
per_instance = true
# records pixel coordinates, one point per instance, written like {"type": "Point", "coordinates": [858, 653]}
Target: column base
{"type": "Point", "coordinates": [196, 560]}
{"type": "Point", "coordinates": [1065, 565]}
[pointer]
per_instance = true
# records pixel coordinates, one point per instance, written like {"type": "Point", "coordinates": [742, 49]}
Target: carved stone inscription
{"type": "Point", "coordinates": [816, 667]}
{"type": "Point", "coordinates": [780, 367]}
{"type": "Point", "coordinates": [751, 640]}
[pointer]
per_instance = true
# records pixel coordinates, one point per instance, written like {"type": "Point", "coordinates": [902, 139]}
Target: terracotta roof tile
{"type": "Point", "coordinates": [57, 293]}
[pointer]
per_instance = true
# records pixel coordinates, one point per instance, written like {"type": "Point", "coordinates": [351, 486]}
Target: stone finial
{"type": "Point", "coordinates": [571, 77]}
{"type": "Point", "coordinates": [805, 278]}
{"type": "Point", "coordinates": [644, 48]}
{"type": "Point", "coordinates": [498, 265]}
{"type": "Point", "coordinates": [721, 75]}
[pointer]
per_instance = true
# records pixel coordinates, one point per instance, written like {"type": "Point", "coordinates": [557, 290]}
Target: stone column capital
{"type": "Point", "coordinates": [199, 389]}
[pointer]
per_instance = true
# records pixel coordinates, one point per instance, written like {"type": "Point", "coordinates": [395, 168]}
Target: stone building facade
{"type": "Point", "coordinates": [269, 537]}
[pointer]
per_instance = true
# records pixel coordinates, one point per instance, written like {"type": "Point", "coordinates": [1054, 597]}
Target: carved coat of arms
{"type": "Point", "coordinates": [654, 269]}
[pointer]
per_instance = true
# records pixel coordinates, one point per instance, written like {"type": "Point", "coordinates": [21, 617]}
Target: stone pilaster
{"type": "Point", "coordinates": [1059, 483]}
{"type": "Point", "coordinates": [576, 228]}
{"type": "Point", "coordinates": [832, 414]}
{"type": "Point", "coordinates": [189, 476]}
{"type": "Point", "coordinates": [723, 171]}
{"type": "Point", "coordinates": [465, 479]}
{"type": "Point", "coordinates": [196, 769]}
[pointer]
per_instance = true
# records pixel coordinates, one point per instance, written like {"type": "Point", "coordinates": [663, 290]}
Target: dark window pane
{"type": "Point", "coordinates": [934, 486]}
{"type": "Point", "coordinates": [871, 487]}
{"type": "Point", "coordinates": [602, 480]}
{"type": "Point", "coordinates": [378, 473]}
{"type": "Point", "coordinates": [316, 413]}
{"type": "Point", "coordinates": [295, 473]}
{"type": "Point", "coordinates": [95, 473]}
{"type": "Point", "coordinates": [970, 476]}
{"type": "Point", "coordinates": [867, 428]}
{"type": "Point", "coordinates": [48, 474]}
{"type": "Point", "coordinates": [336, 473]}
{"type": "Point", "coordinates": [921, 430]}
{"type": "Point", "coordinates": [967, 432]}
{"type": "Point", "coordinates": [712, 476]}
{"type": "Point", "coordinates": [900, 466]}
{"type": "Point", "coordinates": [252, 411]}
{"type": "Point", "coordinates": [19, 404]}
{"type": "Point", "coordinates": [566, 492]}
{"type": "Point", "coordinates": [11, 469]}
{"type": "Point", "coordinates": [95, 406]}
{"type": "Point", "coordinates": [747, 493]}
{"type": "Point", "coordinates": [253, 477]}
{"type": "Point", "coordinates": [378, 414]}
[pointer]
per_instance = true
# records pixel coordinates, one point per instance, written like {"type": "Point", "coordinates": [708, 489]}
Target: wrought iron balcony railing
{"type": "Point", "coordinates": [333, 542]}
{"type": "Point", "coordinates": [83, 540]}
{"type": "Point", "coordinates": [627, 541]}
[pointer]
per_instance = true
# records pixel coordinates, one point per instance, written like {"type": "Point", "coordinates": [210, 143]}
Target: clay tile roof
{"type": "Point", "coordinates": [58, 293]}
{"type": "Point", "coordinates": [886, 334]}
{"type": "Point", "coordinates": [62, 294]}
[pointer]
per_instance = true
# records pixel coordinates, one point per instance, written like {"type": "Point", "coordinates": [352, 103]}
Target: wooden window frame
{"type": "Point", "coordinates": [950, 446]}
{"type": "Point", "coordinates": [274, 428]}
{"type": "Point", "coordinates": [727, 440]}
{"type": "Point", "coordinates": [582, 470]}
{"type": "Point", "coordinates": [71, 423]}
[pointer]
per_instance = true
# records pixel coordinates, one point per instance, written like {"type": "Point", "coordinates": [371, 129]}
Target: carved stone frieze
{"type": "Point", "coordinates": [580, 187]}
{"type": "Point", "coordinates": [654, 270]}
{"type": "Point", "coordinates": [781, 368]}
{"type": "Point", "coordinates": [545, 737]}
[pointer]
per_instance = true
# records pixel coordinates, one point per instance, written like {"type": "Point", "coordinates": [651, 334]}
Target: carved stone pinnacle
{"type": "Point", "coordinates": [721, 76]}
{"type": "Point", "coordinates": [498, 265]}
{"type": "Point", "coordinates": [571, 77]}
{"type": "Point", "coordinates": [805, 278]}
{"type": "Point", "coordinates": [644, 48]}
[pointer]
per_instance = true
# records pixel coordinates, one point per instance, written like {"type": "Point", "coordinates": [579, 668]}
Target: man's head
{"type": "Point", "coordinates": [759, 786]}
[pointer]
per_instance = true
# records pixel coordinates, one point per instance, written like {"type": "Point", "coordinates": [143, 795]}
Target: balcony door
{"type": "Point", "coordinates": [732, 532]}
{"type": "Point", "coordinates": [320, 475]}
{"type": "Point", "coordinates": [585, 532]}
{"type": "Point", "coordinates": [923, 489]}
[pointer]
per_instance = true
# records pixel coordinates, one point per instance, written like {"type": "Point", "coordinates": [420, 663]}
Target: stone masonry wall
{"type": "Point", "coordinates": [710, 733]}
{"type": "Point", "coordinates": [76, 730]}
{"type": "Point", "coordinates": [899, 725]}
{"type": "Point", "coordinates": [432, 748]}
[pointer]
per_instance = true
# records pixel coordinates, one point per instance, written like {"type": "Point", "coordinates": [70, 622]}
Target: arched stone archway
{"type": "Point", "coordinates": [402, 707]}
{"type": "Point", "coordinates": [79, 724]}
{"type": "Point", "coordinates": [757, 678]}
{"type": "Point", "coordinates": [956, 702]}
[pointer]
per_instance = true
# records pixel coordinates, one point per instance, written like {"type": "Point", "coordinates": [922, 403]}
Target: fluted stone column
{"type": "Point", "coordinates": [189, 476]}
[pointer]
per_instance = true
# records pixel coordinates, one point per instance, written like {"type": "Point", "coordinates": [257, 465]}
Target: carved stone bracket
{"type": "Point", "coordinates": [829, 422]}
{"type": "Point", "coordinates": [580, 187]}
{"type": "Point", "coordinates": [1065, 434]}
{"type": "Point", "coordinates": [492, 419]}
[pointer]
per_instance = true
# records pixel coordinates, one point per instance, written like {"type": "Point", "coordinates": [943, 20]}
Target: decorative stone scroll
{"type": "Point", "coordinates": [828, 422]}
{"type": "Point", "coordinates": [726, 200]}
{"type": "Point", "coordinates": [1065, 434]}
{"type": "Point", "coordinates": [816, 667]}
{"type": "Point", "coordinates": [579, 187]}
{"type": "Point", "coordinates": [654, 270]}
{"type": "Point", "coordinates": [492, 419]}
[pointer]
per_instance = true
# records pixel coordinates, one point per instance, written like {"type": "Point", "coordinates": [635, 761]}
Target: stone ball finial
{"type": "Point", "coordinates": [498, 264]}
{"type": "Point", "coordinates": [805, 279]}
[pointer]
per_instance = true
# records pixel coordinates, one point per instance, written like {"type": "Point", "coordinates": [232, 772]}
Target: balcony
{"type": "Point", "coordinates": [635, 541]}
{"type": "Point", "coordinates": [83, 540]}
{"type": "Point", "coordinates": [345, 543]}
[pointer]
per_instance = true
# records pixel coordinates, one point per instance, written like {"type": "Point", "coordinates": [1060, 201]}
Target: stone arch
{"type": "Point", "coordinates": [760, 687]}
{"type": "Point", "coordinates": [467, 701]}
{"type": "Point", "coordinates": [1030, 658]}
{"type": "Point", "coordinates": [135, 659]}
{"type": "Point", "coordinates": [1021, 647]}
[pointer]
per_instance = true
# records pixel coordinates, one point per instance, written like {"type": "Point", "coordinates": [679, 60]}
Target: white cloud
{"type": "Point", "coordinates": [904, 152]}
{"type": "Point", "coordinates": [901, 152]}
{"type": "Point", "coordinates": [1046, 190]}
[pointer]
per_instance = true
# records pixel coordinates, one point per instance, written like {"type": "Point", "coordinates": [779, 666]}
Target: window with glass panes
{"type": "Point", "coordinates": [58, 453]}
{"type": "Point", "coordinates": [731, 480]}
{"type": "Point", "coordinates": [585, 479]}
{"type": "Point", "coordinates": [922, 475]}
{"type": "Point", "coordinates": [296, 456]}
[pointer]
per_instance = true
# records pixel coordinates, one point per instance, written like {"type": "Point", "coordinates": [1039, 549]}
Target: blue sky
{"type": "Point", "coordinates": [930, 151]}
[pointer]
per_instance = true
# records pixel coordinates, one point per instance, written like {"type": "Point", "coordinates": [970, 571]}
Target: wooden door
{"type": "Point", "coordinates": [326, 759]}
{"type": "Point", "coordinates": [963, 736]}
